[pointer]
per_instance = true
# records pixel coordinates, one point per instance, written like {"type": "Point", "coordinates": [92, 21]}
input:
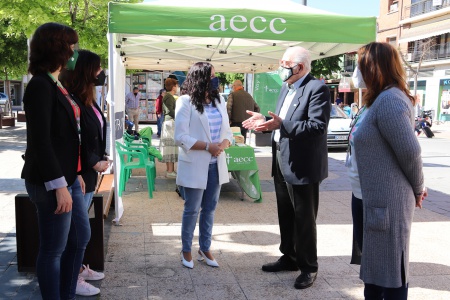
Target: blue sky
{"type": "Point", "coordinates": [362, 8]}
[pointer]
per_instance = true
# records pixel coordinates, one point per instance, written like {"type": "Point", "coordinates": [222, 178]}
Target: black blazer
{"type": "Point", "coordinates": [93, 143]}
{"type": "Point", "coordinates": [303, 133]}
{"type": "Point", "coordinates": [52, 135]}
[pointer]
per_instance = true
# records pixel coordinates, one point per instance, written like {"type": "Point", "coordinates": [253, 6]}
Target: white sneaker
{"type": "Point", "coordinates": [85, 289]}
{"type": "Point", "coordinates": [171, 175]}
{"type": "Point", "coordinates": [89, 274]}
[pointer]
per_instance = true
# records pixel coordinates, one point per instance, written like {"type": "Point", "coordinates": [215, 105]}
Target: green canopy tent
{"type": "Point", "coordinates": [235, 36]}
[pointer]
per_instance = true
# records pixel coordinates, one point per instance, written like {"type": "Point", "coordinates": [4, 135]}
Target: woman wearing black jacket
{"type": "Point", "coordinates": [52, 160]}
{"type": "Point", "coordinates": [81, 84]}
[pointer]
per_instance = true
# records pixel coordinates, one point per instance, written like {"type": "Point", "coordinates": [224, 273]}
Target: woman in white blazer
{"type": "Point", "coordinates": [202, 132]}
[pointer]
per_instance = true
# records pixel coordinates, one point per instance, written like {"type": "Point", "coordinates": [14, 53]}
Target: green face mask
{"type": "Point", "coordinates": [72, 61]}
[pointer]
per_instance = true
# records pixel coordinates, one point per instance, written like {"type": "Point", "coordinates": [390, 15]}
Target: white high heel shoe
{"type": "Point", "coordinates": [187, 264]}
{"type": "Point", "coordinates": [202, 256]}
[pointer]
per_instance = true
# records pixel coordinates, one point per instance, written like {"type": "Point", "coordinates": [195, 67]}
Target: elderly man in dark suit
{"type": "Point", "coordinates": [299, 162]}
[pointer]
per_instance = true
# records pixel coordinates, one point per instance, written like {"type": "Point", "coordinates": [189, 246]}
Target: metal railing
{"type": "Point", "coordinates": [436, 52]}
{"type": "Point", "coordinates": [423, 7]}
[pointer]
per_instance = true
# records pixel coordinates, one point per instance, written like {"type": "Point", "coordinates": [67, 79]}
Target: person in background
{"type": "Point", "coordinates": [338, 101]}
{"type": "Point", "coordinates": [52, 161]}
{"type": "Point", "coordinates": [202, 132]}
{"type": "Point", "coordinates": [299, 162]}
{"type": "Point", "coordinates": [159, 111]}
{"type": "Point", "coordinates": [389, 166]}
{"type": "Point", "coordinates": [132, 107]}
{"type": "Point", "coordinates": [169, 150]}
{"type": "Point", "coordinates": [238, 102]}
{"type": "Point", "coordinates": [128, 124]}
{"type": "Point", "coordinates": [81, 84]}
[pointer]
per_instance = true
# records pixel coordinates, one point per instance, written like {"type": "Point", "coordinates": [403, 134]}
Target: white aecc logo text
{"type": "Point", "coordinates": [240, 23]}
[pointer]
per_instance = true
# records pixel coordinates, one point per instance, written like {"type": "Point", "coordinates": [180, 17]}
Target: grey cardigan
{"type": "Point", "coordinates": [390, 169]}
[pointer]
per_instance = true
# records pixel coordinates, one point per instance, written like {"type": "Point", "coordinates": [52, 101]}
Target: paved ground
{"type": "Point", "coordinates": [142, 255]}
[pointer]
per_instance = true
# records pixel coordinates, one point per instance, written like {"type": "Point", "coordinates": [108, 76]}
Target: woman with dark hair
{"type": "Point", "coordinates": [389, 166]}
{"type": "Point", "coordinates": [52, 161]}
{"type": "Point", "coordinates": [169, 150]}
{"type": "Point", "coordinates": [202, 132]}
{"type": "Point", "coordinates": [81, 84]}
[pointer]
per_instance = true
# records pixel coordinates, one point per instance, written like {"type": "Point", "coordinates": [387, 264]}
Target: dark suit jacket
{"type": "Point", "coordinates": [303, 134]}
{"type": "Point", "coordinates": [93, 144]}
{"type": "Point", "coordinates": [52, 135]}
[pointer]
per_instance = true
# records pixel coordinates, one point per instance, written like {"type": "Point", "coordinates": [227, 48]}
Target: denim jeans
{"type": "Point", "coordinates": [88, 200]}
{"type": "Point", "coordinates": [63, 239]}
{"type": "Point", "coordinates": [194, 199]}
{"type": "Point", "coordinates": [159, 122]}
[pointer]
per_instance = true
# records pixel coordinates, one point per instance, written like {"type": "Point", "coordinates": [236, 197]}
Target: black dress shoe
{"type": "Point", "coordinates": [280, 265]}
{"type": "Point", "coordinates": [305, 280]}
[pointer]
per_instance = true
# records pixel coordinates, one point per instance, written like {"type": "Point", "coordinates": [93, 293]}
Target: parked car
{"type": "Point", "coordinates": [338, 128]}
{"type": "Point", "coordinates": [4, 103]}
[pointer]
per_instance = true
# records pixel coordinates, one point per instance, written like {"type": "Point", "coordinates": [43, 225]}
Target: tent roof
{"type": "Point", "coordinates": [232, 34]}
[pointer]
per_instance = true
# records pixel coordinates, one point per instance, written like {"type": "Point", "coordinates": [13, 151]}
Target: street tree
{"type": "Point", "coordinates": [227, 78]}
{"type": "Point", "coordinates": [20, 18]}
{"type": "Point", "coordinates": [324, 68]}
{"type": "Point", "coordinates": [13, 54]}
{"type": "Point", "coordinates": [421, 52]}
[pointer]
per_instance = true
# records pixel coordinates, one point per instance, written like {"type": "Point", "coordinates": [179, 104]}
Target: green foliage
{"type": "Point", "coordinates": [88, 17]}
{"type": "Point", "coordinates": [324, 68]}
{"type": "Point", "coordinates": [13, 52]}
{"type": "Point", "coordinates": [228, 78]}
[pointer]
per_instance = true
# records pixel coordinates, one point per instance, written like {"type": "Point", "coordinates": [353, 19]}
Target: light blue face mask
{"type": "Point", "coordinates": [72, 61]}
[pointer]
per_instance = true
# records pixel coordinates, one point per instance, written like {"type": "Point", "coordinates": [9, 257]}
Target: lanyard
{"type": "Point", "coordinates": [75, 107]}
{"type": "Point", "coordinates": [76, 111]}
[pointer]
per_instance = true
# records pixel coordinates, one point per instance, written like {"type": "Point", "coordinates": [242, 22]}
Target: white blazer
{"type": "Point", "coordinates": [190, 127]}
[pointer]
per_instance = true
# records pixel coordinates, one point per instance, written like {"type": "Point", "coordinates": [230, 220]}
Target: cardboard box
{"type": "Point", "coordinates": [236, 131]}
{"type": "Point", "coordinates": [239, 139]}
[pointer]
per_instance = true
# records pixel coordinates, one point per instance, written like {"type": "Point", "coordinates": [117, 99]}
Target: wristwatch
{"type": "Point", "coordinates": [207, 146]}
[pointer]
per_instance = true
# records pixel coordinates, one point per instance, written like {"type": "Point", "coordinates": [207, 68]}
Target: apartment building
{"type": "Point", "coordinates": [421, 30]}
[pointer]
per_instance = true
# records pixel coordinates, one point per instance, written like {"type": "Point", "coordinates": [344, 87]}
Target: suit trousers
{"type": "Point", "coordinates": [297, 213]}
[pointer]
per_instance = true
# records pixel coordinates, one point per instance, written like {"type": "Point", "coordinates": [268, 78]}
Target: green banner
{"type": "Point", "coordinates": [241, 158]}
{"type": "Point", "coordinates": [242, 165]}
{"type": "Point", "coordinates": [239, 23]}
{"type": "Point", "coordinates": [266, 89]}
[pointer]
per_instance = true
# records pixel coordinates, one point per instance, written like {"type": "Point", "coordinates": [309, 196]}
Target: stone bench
{"type": "Point", "coordinates": [27, 232]}
{"type": "Point", "coordinates": [7, 120]}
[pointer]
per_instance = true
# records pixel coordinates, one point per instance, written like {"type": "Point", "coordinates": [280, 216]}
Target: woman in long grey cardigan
{"type": "Point", "coordinates": [389, 162]}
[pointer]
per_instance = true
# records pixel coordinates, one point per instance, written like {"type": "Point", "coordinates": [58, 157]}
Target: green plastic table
{"type": "Point", "coordinates": [242, 165]}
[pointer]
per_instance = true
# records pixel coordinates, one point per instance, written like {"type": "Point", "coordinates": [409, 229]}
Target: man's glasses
{"type": "Point", "coordinates": [288, 63]}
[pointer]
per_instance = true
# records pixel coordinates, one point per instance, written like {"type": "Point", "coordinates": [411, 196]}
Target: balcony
{"type": "Point", "coordinates": [423, 7]}
{"type": "Point", "coordinates": [437, 52]}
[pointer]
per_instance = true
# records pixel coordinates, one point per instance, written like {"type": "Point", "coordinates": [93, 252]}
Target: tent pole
{"type": "Point", "coordinates": [112, 124]}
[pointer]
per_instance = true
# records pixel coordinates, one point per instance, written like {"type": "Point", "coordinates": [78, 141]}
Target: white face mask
{"type": "Point", "coordinates": [358, 80]}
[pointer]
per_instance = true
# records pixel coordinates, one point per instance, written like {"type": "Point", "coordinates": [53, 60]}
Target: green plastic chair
{"type": "Point", "coordinates": [150, 152]}
{"type": "Point", "coordinates": [126, 165]}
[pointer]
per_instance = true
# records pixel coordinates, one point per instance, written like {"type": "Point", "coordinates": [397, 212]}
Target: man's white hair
{"type": "Point", "coordinates": [298, 54]}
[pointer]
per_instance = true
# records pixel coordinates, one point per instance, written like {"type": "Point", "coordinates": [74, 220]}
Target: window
{"type": "Point", "coordinates": [392, 40]}
{"type": "Point", "coordinates": [393, 5]}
